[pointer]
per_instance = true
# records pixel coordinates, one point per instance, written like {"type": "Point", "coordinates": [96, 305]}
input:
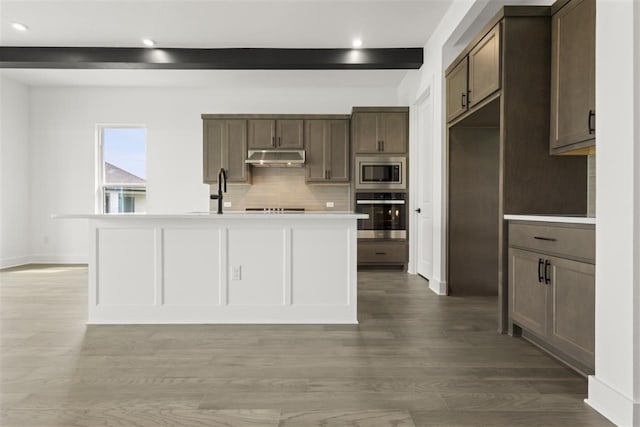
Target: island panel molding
{"type": "Point", "coordinates": [231, 268]}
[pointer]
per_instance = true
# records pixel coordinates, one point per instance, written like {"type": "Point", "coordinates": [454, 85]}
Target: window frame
{"type": "Point", "coordinates": [100, 172]}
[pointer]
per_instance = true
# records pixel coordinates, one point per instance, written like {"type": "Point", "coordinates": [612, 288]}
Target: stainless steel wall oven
{"type": "Point", "coordinates": [387, 215]}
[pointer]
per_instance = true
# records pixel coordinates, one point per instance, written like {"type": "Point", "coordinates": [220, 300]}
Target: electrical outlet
{"type": "Point", "coordinates": [236, 273]}
{"type": "Point", "coordinates": [329, 204]}
{"type": "Point", "coordinates": [227, 204]}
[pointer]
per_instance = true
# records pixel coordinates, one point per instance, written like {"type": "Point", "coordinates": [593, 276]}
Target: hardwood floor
{"type": "Point", "coordinates": [415, 359]}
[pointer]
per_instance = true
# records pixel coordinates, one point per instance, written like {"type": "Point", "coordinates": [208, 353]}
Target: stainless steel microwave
{"type": "Point", "coordinates": [384, 173]}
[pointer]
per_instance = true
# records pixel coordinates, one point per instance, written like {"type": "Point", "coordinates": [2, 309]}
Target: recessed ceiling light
{"type": "Point", "coordinates": [357, 43]}
{"type": "Point", "coordinates": [19, 26]}
{"type": "Point", "coordinates": [148, 42]}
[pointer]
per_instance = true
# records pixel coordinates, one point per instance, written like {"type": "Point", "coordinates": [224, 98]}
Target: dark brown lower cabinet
{"type": "Point", "coordinates": [552, 297]}
{"type": "Point", "coordinates": [383, 253]}
{"type": "Point", "coordinates": [572, 298]}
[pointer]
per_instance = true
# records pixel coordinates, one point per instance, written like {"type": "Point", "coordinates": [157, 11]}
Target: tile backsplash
{"type": "Point", "coordinates": [284, 188]}
{"type": "Point", "coordinates": [591, 185]}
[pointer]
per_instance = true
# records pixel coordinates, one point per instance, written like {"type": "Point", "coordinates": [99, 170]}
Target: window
{"type": "Point", "coordinates": [122, 169]}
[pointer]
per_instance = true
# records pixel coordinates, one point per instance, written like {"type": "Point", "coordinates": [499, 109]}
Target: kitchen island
{"type": "Point", "coordinates": [231, 268]}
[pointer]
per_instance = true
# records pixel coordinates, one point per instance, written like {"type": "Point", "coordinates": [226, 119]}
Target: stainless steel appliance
{"type": "Point", "coordinates": [387, 215]}
{"type": "Point", "coordinates": [381, 173]}
{"type": "Point", "coordinates": [276, 158]}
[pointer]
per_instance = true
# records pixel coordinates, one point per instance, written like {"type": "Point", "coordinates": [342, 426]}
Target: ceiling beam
{"type": "Point", "coordinates": [209, 59]}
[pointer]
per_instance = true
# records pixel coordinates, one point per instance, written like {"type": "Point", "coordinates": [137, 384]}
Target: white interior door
{"type": "Point", "coordinates": [424, 202]}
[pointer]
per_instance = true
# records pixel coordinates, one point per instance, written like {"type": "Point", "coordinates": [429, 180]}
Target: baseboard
{"type": "Point", "coordinates": [438, 287]}
{"type": "Point", "coordinates": [58, 259]}
{"type": "Point", "coordinates": [14, 261]}
{"type": "Point", "coordinates": [618, 408]}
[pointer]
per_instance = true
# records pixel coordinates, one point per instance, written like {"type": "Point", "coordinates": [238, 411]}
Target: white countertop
{"type": "Point", "coordinates": [324, 215]}
{"type": "Point", "coordinates": [553, 218]}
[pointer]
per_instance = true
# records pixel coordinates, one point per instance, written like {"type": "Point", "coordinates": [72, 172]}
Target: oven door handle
{"type": "Point", "coordinates": [379, 202]}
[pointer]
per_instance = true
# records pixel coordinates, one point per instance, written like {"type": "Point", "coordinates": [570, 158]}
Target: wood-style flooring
{"type": "Point", "coordinates": [415, 359]}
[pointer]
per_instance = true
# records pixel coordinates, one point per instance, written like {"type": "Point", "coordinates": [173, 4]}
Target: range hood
{"type": "Point", "coordinates": [276, 158]}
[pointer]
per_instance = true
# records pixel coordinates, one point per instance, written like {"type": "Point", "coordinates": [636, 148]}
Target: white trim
{"type": "Point", "coordinates": [59, 259]}
{"type": "Point", "coordinates": [618, 408]}
{"type": "Point", "coordinates": [14, 261]}
{"type": "Point", "coordinates": [42, 259]}
{"type": "Point", "coordinates": [438, 287]}
{"type": "Point", "coordinates": [636, 225]}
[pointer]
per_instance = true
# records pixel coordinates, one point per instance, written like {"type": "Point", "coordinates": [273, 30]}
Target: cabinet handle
{"type": "Point", "coordinates": [540, 262]}
{"type": "Point", "coordinates": [382, 145]}
{"type": "Point", "coordinates": [273, 141]}
{"type": "Point", "coordinates": [279, 142]}
{"type": "Point", "coordinates": [548, 239]}
{"type": "Point", "coordinates": [547, 277]}
{"type": "Point", "coordinates": [592, 115]}
{"type": "Point", "coordinates": [381, 253]}
{"type": "Point", "coordinates": [418, 210]}
{"type": "Point", "coordinates": [329, 174]}
{"type": "Point", "coordinates": [462, 100]}
{"type": "Point", "coordinates": [379, 145]}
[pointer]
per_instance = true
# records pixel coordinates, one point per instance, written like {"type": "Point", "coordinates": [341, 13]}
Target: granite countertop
{"type": "Point", "coordinates": [568, 219]}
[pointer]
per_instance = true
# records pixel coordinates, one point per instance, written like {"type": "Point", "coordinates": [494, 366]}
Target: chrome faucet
{"type": "Point", "coordinates": [222, 176]}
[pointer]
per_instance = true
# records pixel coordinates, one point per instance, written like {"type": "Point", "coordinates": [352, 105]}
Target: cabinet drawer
{"type": "Point", "coordinates": [572, 242]}
{"type": "Point", "coordinates": [382, 252]}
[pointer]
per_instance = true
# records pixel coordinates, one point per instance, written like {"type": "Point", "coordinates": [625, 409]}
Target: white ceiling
{"type": "Point", "coordinates": [217, 24]}
{"type": "Point", "coordinates": [222, 23]}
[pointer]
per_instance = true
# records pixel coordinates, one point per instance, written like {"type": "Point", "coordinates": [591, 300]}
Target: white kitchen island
{"type": "Point", "coordinates": [229, 268]}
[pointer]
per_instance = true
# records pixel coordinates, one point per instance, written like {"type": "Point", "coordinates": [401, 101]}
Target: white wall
{"type": "Point", "coordinates": [14, 173]}
{"type": "Point", "coordinates": [63, 122]}
{"type": "Point", "coordinates": [614, 390]}
{"type": "Point", "coordinates": [431, 77]}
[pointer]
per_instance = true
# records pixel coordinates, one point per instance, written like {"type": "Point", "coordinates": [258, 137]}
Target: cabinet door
{"type": "Point", "coordinates": [572, 301]}
{"type": "Point", "coordinates": [457, 102]}
{"type": "Point", "coordinates": [484, 67]}
{"type": "Point", "coordinates": [366, 133]}
{"type": "Point", "coordinates": [393, 131]}
{"type": "Point", "coordinates": [213, 137]}
{"type": "Point", "coordinates": [337, 150]}
{"type": "Point", "coordinates": [262, 133]}
{"type": "Point", "coordinates": [289, 134]}
{"type": "Point", "coordinates": [528, 296]}
{"type": "Point", "coordinates": [235, 151]}
{"type": "Point", "coordinates": [315, 137]}
{"type": "Point", "coordinates": [573, 76]}
{"type": "Point", "coordinates": [225, 146]}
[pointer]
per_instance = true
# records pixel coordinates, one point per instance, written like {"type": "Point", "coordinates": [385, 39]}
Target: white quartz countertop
{"type": "Point", "coordinates": [553, 218]}
{"type": "Point", "coordinates": [225, 216]}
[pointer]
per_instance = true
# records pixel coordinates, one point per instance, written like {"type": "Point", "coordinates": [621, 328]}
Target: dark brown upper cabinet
{"type": "Point", "coordinates": [380, 131]}
{"type": "Point", "coordinates": [484, 67]}
{"type": "Point", "coordinates": [573, 112]}
{"type": "Point", "coordinates": [327, 149]}
{"type": "Point", "coordinates": [476, 76]}
{"type": "Point", "coordinates": [273, 134]}
{"type": "Point", "coordinates": [225, 146]}
{"type": "Point", "coordinates": [457, 102]}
